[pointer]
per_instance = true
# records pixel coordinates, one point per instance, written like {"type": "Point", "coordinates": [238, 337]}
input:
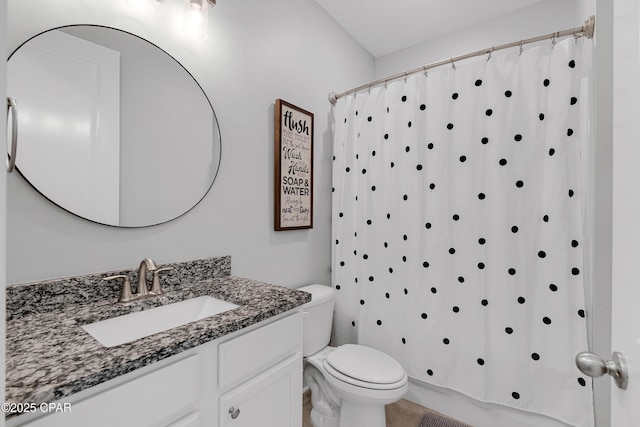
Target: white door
{"type": "Point", "coordinates": [625, 217]}
{"type": "Point", "coordinates": [625, 336]}
{"type": "Point", "coordinates": [623, 132]}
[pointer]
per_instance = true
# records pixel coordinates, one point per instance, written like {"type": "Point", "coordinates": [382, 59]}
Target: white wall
{"type": "Point", "coordinates": [544, 17]}
{"type": "Point", "coordinates": [3, 214]}
{"type": "Point", "coordinates": [257, 51]}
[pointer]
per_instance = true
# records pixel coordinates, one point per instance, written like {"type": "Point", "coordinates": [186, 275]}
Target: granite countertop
{"type": "Point", "coordinates": [49, 356]}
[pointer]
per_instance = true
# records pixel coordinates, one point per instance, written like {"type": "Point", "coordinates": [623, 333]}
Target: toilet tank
{"type": "Point", "coordinates": [318, 318]}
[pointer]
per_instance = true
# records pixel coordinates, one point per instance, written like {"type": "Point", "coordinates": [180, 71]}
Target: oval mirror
{"type": "Point", "coordinates": [111, 127]}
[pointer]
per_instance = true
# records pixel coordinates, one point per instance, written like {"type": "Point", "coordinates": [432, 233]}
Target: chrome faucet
{"type": "Point", "coordinates": [145, 264]}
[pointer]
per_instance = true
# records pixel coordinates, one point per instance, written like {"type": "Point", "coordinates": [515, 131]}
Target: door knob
{"type": "Point", "coordinates": [594, 366]}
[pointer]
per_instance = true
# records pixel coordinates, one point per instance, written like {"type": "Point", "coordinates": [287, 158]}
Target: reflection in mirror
{"type": "Point", "coordinates": [112, 128]}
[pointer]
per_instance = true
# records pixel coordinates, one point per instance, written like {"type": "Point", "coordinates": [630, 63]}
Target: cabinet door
{"type": "Point", "coordinates": [144, 401]}
{"type": "Point", "coordinates": [191, 420]}
{"type": "Point", "coordinates": [272, 399]}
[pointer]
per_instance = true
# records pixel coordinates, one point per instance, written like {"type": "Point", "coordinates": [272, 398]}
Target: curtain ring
{"type": "Point", "coordinates": [521, 48]}
{"type": "Point", "coordinates": [490, 52]}
{"type": "Point", "coordinates": [369, 88]}
{"type": "Point", "coordinates": [405, 77]}
{"type": "Point", "coordinates": [385, 83]}
{"type": "Point", "coordinates": [426, 74]}
{"type": "Point", "coordinates": [553, 40]}
{"type": "Point", "coordinates": [453, 64]}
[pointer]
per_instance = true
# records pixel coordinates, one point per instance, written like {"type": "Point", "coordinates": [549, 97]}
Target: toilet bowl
{"type": "Point", "coordinates": [350, 384]}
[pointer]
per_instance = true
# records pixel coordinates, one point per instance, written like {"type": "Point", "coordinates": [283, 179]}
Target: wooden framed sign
{"type": "Point", "coordinates": [293, 167]}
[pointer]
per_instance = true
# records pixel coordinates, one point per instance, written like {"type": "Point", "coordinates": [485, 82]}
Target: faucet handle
{"type": "Point", "coordinates": [156, 289]}
{"type": "Point", "coordinates": [125, 293]}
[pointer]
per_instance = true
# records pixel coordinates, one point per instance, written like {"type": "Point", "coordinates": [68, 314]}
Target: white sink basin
{"type": "Point", "coordinates": [133, 326]}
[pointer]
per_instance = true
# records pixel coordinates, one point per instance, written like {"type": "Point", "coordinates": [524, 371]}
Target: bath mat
{"type": "Point", "coordinates": [431, 419]}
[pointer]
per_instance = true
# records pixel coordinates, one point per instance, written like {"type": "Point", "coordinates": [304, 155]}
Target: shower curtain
{"type": "Point", "coordinates": [459, 231]}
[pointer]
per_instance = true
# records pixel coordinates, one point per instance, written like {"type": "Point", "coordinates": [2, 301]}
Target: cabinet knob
{"type": "Point", "coordinates": [235, 412]}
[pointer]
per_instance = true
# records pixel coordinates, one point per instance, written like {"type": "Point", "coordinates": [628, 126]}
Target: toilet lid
{"type": "Point", "coordinates": [365, 364]}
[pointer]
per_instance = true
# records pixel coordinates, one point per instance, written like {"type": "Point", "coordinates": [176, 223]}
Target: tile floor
{"type": "Point", "coordinates": [400, 414]}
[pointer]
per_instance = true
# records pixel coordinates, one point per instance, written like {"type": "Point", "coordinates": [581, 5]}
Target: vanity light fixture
{"type": "Point", "coordinates": [196, 18]}
{"type": "Point", "coordinates": [145, 6]}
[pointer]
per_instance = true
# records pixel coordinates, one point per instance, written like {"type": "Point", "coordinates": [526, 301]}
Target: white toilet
{"type": "Point", "coordinates": [350, 384]}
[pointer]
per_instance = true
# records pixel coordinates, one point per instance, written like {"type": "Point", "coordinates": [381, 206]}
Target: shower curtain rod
{"type": "Point", "coordinates": [584, 31]}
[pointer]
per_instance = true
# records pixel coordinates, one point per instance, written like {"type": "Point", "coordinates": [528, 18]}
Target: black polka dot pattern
{"type": "Point", "coordinates": [458, 239]}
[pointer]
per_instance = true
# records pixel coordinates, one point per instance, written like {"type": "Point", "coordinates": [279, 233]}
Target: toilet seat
{"type": "Point", "coordinates": [365, 367]}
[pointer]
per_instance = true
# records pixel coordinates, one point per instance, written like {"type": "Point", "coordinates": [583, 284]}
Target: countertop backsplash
{"type": "Point", "coordinates": [49, 295]}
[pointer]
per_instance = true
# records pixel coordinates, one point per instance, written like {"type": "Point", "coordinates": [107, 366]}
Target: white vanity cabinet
{"type": "Point", "coordinates": [248, 378]}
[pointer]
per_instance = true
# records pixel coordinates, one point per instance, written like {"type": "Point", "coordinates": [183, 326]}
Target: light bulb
{"type": "Point", "coordinates": [196, 18]}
